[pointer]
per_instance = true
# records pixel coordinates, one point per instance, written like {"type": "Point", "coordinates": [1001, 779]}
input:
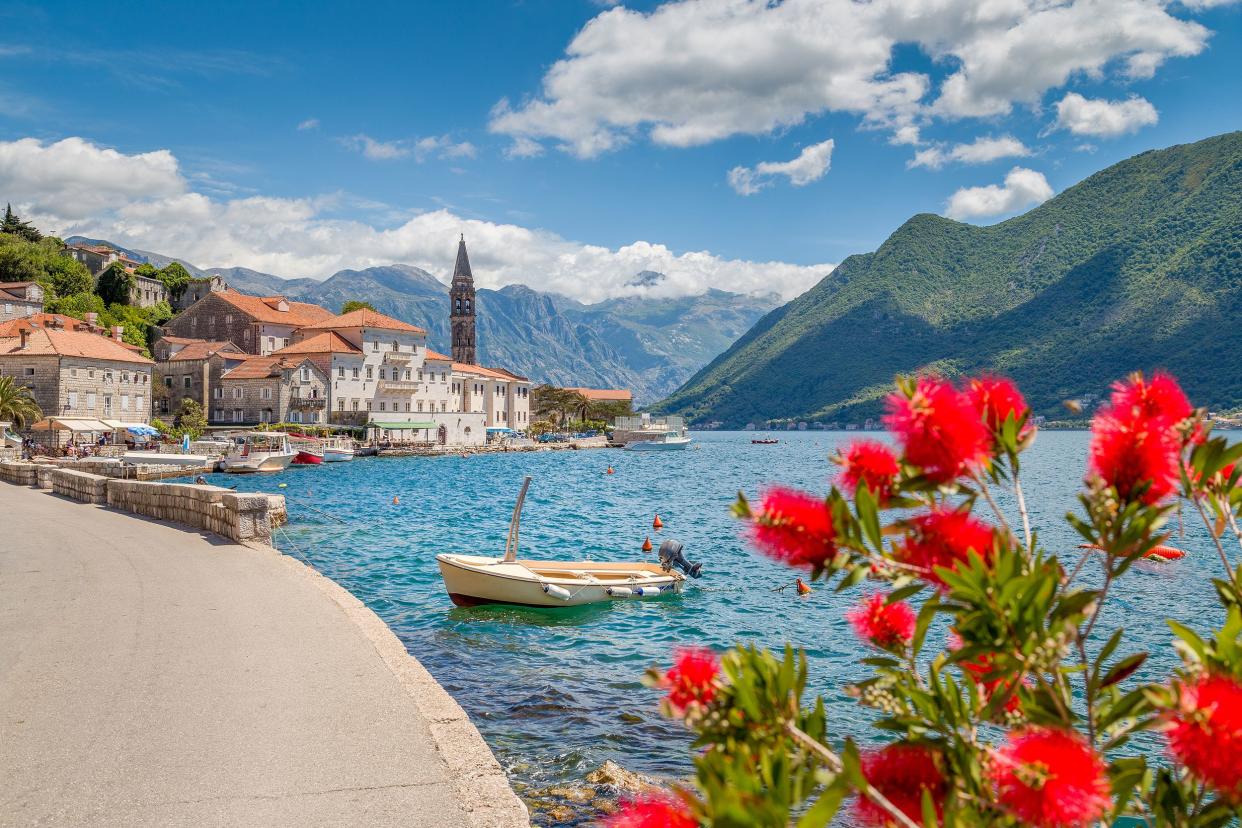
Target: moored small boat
{"type": "Point", "coordinates": [338, 450]}
{"type": "Point", "coordinates": [665, 441]}
{"type": "Point", "coordinates": [259, 451]}
{"type": "Point", "coordinates": [307, 458]}
{"type": "Point", "coordinates": [765, 442]}
{"type": "Point", "coordinates": [1156, 553]}
{"type": "Point", "coordinates": [472, 580]}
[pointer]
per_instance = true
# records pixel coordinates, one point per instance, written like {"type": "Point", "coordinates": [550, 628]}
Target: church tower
{"type": "Point", "coordinates": [461, 297]}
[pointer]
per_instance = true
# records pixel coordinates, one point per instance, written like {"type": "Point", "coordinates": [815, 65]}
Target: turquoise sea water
{"type": "Point", "coordinates": [555, 693]}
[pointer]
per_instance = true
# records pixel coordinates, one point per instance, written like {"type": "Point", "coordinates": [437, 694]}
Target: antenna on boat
{"type": "Point", "coordinates": [511, 545]}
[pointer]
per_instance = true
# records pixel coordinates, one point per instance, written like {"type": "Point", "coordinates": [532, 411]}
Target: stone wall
{"type": "Point", "coordinates": [215, 319]}
{"type": "Point", "coordinates": [237, 516]}
{"type": "Point", "coordinates": [83, 486]}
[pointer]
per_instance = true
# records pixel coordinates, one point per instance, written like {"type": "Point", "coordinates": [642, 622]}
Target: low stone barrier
{"type": "Point", "coordinates": [18, 472]}
{"type": "Point", "coordinates": [239, 517]}
{"type": "Point", "coordinates": [44, 474]}
{"type": "Point", "coordinates": [83, 486]}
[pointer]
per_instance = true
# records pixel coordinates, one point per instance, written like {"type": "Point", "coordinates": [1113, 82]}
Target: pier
{"type": "Point", "coordinates": [152, 674]}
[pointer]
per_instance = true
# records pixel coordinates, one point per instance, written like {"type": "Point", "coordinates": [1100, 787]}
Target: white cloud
{"type": "Point", "coordinates": [73, 178]}
{"type": "Point", "coordinates": [697, 71]}
{"type": "Point", "coordinates": [1105, 119]}
{"type": "Point", "coordinates": [441, 146]}
{"type": "Point", "coordinates": [809, 166]}
{"type": "Point", "coordinates": [523, 147]}
{"type": "Point", "coordinates": [309, 123]}
{"type": "Point", "coordinates": [979, 151]}
{"type": "Point", "coordinates": [143, 201]}
{"type": "Point", "coordinates": [1022, 188]}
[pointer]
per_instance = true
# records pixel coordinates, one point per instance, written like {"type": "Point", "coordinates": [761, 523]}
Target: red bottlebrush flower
{"type": "Point", "coordinates": [692, 678]}
{"type": "Point", "coordinates": [1158, 398]}
{"type": "Point", "coordinates": [939, 429]}
{"type": "Point", "coordinates": [795, 527]}
{"type": "Point", "coordinates": [1051, 778]}
{"type": "Point", "coordinates": [652, 812]}
{"type": "Point", "coordinates": [900, 773]}
{"type": "Point", "coordinates": [872, 464]}
{"type": "Point", "coordinates": [884, 625]}
{"type": "Point", "coordinates": [996, 399]}
{"type": "Point", "coordinates": [1206, 733]}
{"type": "Point", "coordinates": [944, 537]}
{"type": "Point", "coordinates": [1129, 451]}
{"type": "Point", "coordinates": [983, 666]}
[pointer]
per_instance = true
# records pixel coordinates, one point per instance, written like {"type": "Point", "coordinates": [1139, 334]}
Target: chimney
{"type": "Point", "coordinates": [117, 330]}
{"type": "Point", "coordinates": [25, 335]}
{"type": "Point", "coordinates": [92, 319]}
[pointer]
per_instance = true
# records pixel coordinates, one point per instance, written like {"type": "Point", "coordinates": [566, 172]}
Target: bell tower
{"type": "Point", "coordinates": [461, 299]}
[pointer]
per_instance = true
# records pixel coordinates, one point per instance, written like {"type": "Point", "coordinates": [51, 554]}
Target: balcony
{"type": "Point", "coordinates": [307, 403]}
{"type": "Point", "coordinates": [398, 386]}
{"type": "Point", "coordinates": [397, 358]}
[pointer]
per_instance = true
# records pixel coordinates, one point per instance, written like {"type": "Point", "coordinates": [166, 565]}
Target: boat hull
{"type": "Point", "coordinates": [472, 581]}
{"type": "Point", "coordinates": [337, 455]}
{"type": "Point", "coordinates": [307, 458]}
{"type": "Point", "coordinates": [252, 465]}
{"type": "Point", "coordinates": [677, 444]}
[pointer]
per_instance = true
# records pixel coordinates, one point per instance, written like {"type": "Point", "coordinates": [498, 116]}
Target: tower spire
{"type": "Point", "coordinates": [462, 307]}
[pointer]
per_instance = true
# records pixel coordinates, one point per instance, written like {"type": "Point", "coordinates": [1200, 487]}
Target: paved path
{"type": "Point", "coordinates": [152, 675]}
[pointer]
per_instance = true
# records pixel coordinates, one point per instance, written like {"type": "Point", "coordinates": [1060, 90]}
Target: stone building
{"type": "Point", "coordinates": [197, 289]}
{"type": "Point", "coordinates": [462, 308]}
{"type": "Point", "coordinates": [79, 373]}
{"type": "Point", "coordinates": [191, 368]}
{"type": "Point", "coordinates": [147, 291]}
{"type": "Point", "coordinates": [258, 325]}
{"type": "Point", "coordinates": [503, 397]}
{"type": "Point", "coordinates": [97, 258]}
{"type": "Point", "coordinates": [58, 321]}
{"type": "Point", "coordinates": [19, 299]}
{"type": "Point", "coordinates": [272, 389]}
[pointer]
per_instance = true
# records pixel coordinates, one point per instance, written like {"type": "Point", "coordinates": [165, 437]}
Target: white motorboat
{"type": "Point", "coordinates": [472, 580]}
{"type": "Point", "coordinates": [338, 450]}
{"type": "Point", "coordinates": [660, 441]}
{"type": "Point", "coordinates": [259, 451]}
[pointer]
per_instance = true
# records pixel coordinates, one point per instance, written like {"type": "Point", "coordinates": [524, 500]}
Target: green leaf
{"type": "Point", "coordinates": [1123, 669]}
{"type": "Point", "coordinates": [825, 808]}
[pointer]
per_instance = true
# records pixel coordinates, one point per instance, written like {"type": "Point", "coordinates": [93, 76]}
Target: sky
{"type": "Point", "coordinates": [731, 144]}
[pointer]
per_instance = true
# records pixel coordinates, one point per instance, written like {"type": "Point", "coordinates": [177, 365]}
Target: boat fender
{"type": "Point", "coordinates": [557, 592]}
{"type": "Point", "coordinates": [646, 591]}
{"type": "Point", "coordinates": [620, 592]}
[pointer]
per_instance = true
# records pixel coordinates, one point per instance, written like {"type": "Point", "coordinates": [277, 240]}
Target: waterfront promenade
{"type": "Point", "coordinates": [155, 675]}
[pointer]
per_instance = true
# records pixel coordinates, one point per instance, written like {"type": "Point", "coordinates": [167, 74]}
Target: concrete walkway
{"type": "Point", "coordinates": [153, 675]}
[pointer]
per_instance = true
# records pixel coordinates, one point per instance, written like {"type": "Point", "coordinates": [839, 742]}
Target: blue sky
{"type": "Point", "coordinates": [420, 120]}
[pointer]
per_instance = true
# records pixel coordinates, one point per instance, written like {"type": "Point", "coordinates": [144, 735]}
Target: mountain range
{"type": "Point", "coordinates": [1138, 267]}
{"type": "Point", "coordinates": [650, 346]}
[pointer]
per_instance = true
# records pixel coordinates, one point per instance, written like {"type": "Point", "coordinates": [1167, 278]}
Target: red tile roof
{"type": "Point", "coordinates": [180, 340]}
{"type": "Point", "coordinates": [605, 394]}
{"type": "Point", "coordinates": [436, 355]}
{"type": "Point", "coordinates": [365, 318]}
{"type": "Point", "coordinates": [51, 342]}
{"type": "Point", "coordinates": [258, 367]}
{"type": "Point", "coordinates": [328, 342]}
{"type": "Point", "coordinates": [493, 373]}
{"type": "Point", "coordinates": [267, 309]}
{"type": "Point", "coordinates": [203, 349]}
{"type": "Point", "coordinates": [39, 320]}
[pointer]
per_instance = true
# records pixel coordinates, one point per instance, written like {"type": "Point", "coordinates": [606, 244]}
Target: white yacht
{"type": "Point", "coordinates": [259, 451]}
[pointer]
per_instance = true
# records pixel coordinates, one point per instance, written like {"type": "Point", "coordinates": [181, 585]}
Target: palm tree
{"type": "Point", "coordinates": [17, 404]}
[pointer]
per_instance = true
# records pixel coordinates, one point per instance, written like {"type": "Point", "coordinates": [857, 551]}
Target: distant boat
{"type": "Point", "coordinates": [259, 451]}
{"type": "Point", "coordinates": [1156, 553]}
{"type": "Point", "coordinates": [766, 441]}
{"type": "Point", "coordinates": [666, 441]}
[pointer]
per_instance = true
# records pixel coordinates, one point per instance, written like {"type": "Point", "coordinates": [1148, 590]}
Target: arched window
{"type": "Point", "coordinates": [396, 346]}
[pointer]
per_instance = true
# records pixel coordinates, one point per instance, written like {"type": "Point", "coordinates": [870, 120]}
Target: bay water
{"type": "Point", "coordinates": [557, 692]}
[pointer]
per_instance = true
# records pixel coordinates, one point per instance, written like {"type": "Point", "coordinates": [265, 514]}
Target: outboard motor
{"type": "Point", "coordinates": [670, 556]}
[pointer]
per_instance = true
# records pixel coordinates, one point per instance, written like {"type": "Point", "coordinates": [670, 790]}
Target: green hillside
{"type": "Point", "coordinates": [1137, 267]}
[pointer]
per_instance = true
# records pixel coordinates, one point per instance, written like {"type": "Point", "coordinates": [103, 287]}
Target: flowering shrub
{"type": "Point", "coordinates": [1009, 721]}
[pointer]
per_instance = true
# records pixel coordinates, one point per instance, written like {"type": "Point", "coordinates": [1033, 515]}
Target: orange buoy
{"type": "Point", "coordinates": [396, 500]}
{"type": "Point", "coordinates": [611, 470]}
{"type": "Point", "coordinates": [657, 524]}
{"type": "Point", "coordinates": [647, 544]}
{"type": "Point", "coordinates": [803, 589]}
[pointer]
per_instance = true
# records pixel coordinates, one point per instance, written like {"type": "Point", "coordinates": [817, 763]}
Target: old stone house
{"type": "Point", "coordinates": [79, 373]}
{"type": "Point", "coordinates": [19, 299]}
{"type": "Point", "coordinates": [197, 289]}
{"type": "Point", "coordinates": [97, 257]}
{"type": "Point", "coordinates": [271, 389]}
{"type": "Point", "coordinates": [191, 368]}
{"type": "Point", "coordinates": [258, 325]}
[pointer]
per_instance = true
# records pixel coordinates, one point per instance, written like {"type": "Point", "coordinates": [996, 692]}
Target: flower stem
{"type": "Point", "coordinates": [833, 763]}
{"type": "Point", "coordinates": [1220, 550]}
{"type": "Point", "coordinates": [1026, 515]}
{"type": "Point", "coordinates": [987, 495]}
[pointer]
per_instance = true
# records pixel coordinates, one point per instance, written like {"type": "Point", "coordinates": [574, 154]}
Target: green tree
{"type": "Point", "coordinates": [190, 419]}
{"type": "Point", "coordinates": [17, 403]}
{"type": "Point", "coordinates": [356, 304]}
{"type": "Point", "coordinates": [77, 305]}
{"type": "Point", "coordinates": [115, 285]}
{"type": "Point", "coordinates": [15, 226]}
{"type": "Point", "coordinates": [176, 278]}
{"type": "Point", "coordinates": [45, 262]}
